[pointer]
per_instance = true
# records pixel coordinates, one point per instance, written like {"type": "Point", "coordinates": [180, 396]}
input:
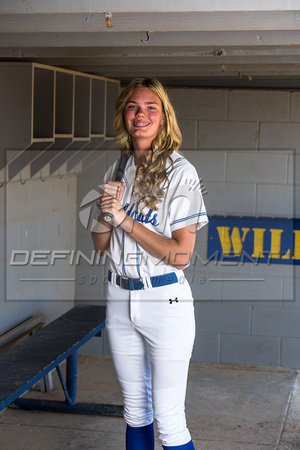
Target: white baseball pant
{"type": "Point", "coordinates": [151, 334]}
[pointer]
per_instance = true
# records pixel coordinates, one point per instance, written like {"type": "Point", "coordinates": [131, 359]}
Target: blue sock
{"type": "Point", "coordinates": [188, 446]}
{"type": "Point", "coordinates": [140, 438]}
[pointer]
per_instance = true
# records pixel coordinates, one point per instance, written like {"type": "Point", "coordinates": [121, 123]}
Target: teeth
{"type": "Point", "coordinates": [140, 124]}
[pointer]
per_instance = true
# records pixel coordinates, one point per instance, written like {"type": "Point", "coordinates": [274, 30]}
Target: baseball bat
{"type": "Point", "coordinates": [108, 217]}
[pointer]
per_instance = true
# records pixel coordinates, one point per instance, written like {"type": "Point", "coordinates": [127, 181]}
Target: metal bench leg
{"type": "Point", "coordinates": [70, 386]}
{"type": "Point", "coordinates": [71, 377]}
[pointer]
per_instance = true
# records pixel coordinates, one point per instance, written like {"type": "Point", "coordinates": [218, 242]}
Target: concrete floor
{"type": "Point", "coordinates": [228, 408]}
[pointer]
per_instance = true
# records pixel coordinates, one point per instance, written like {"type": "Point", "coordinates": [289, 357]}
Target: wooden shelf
{"type": "Point", "coordinates": [82, 107]}
{"type": "Point", "coordinates": [64, 99]}
{"type": "Point", "coordinates": [98, 99]}
{"type": "Point", "coordinates": [43, 103]}
{"type": "Point", "coordinates": [52, 115]}
{"type": "Point", "coordinates": [112, 92]}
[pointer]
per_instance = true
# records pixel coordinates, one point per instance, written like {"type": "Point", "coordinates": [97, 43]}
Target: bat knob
{"type": "Point", "coordinates": [107, 217]}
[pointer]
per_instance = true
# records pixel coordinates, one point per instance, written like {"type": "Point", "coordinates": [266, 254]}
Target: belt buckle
{"type": "Point", "coordinates": [121, 281]}
{"type": "Point", "coordinates": [131, 282]}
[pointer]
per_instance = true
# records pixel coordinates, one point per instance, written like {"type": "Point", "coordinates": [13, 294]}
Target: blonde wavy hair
{"type": "Point", "coordinates": [151, 178]}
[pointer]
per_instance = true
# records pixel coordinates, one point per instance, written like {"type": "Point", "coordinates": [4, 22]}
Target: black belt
{"type": "Point", "coordinates": [136, 284]}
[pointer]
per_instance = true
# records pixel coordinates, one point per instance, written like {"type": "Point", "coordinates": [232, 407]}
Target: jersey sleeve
{"type": "Point", "coordinates": [186, 205]}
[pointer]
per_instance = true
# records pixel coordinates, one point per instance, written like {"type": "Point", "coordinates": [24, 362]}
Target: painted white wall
{"type": "Point", "coordinates": [37, 218]}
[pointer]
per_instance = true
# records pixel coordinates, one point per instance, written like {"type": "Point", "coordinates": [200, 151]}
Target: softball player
{"type": "Point", "coordinates": [157, 209]}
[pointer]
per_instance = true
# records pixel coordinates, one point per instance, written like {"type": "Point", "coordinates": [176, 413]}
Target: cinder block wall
{"type": "Point", "coordinates": [245, 145]}
{"type": "Point", "coordinates": [37, 216]}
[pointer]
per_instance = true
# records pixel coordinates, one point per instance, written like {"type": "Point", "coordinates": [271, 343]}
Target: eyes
{"type": "Point", "coordinates": [132, 107]}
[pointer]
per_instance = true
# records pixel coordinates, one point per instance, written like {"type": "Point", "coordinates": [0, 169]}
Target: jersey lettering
{"type": "Point", "coordinates": [135, 214]}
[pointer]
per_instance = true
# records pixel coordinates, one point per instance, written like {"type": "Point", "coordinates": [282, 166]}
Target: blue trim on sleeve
{"type": "Point", "coordinates": [174, 162]}
{"type": "Point", "coordinates": [183, 219]}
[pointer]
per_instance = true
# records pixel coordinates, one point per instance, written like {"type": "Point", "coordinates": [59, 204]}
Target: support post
{"type": "Point", "coordinates": [71, 377]}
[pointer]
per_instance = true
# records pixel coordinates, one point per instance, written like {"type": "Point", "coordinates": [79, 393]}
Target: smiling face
{"type": "Point", "coordinates": [143, 116]}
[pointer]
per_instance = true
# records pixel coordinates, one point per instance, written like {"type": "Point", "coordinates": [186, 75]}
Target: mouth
{"type": "Point", "coordinates": [140, 125]}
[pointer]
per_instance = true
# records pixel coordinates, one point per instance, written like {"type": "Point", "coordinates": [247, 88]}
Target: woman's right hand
{"type": "Point", "coordinates": [110, 201]}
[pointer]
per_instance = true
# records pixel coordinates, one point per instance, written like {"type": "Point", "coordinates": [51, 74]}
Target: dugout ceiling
{"type": "Point", "coordinates": [192, 43]}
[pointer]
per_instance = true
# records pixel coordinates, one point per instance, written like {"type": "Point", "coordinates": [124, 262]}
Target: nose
{"type": "Point", "coordinates": [140, 112]}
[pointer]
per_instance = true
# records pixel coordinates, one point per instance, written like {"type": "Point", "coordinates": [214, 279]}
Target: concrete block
{"type": "Point", "coordinates": [199, 258]}
{"type": "Point", "coordinates": [283, 136]}
{"type": "Point", "coordinates": [66, 221]}
{"type": "Point", "coordinates": [281, 321]}
{"type": "Point", "coordinates": [199, 103]}
{"type": "Point", "coordinates": [85, 243]}
{"type": "Point", "coordinates": [29, 234]}
{"type": "Point", "coordinates": [230, 198]}
{"type": "Point", "coordinates": [2, 241]}
{"type": "Point", "coordinates": [97, 167]}
{"type": "Point", "coordinates": [290, 298]}
{"type": "Point", "coordinates": [49, 235]}
{"type": "Point", "coordinates": [2, 281]}
{"type": "Point", "coordinates": [210, 266]}
{"type": "Point", "coordinates": [202, 233]}
{"type": "Point", "coordinates": [66, 290]}
{"type": "Point", "coordinates": [188, 131]}
{"type": "Point", "coordinates": [227, 135]}
{"type": "Point", "coordinates": [40, 272]}
{"type": "Point", "coordinates": [250, 350]}
{"type": "Point", "coordinates": [295, 107]}
{"type": "Point", "coordinates": [2, 205]}
{"type": "Point", "coordinates": [206, 348]}
{"type": "Point", "coordinates": [258, 105]}
{"type": "Point", "coordinates": [112, 154]}
{"type": "Point", "coordinates": [45, 293]}
{"type": "Point", "coordinates": [15, 286]}
{"type": "Point", "coordinates": [17, 201]}
{"type": "Point", "coordinates": [255, 167]}
{"type": "Point", "coordinates": [11, 237]}
{"type": "Point", "coordinates": [297, 283]}
{"type": "Point", "coordinates": [93, 346]}
{"type": "Point", "coordinates": [296, 166]}
{"type": "Point", "coordinates": [57, 193]}
{"type": "Point", "coordinates": [293, 168]}
{"type": "Point", "coordinates": [252, 288]}
{"type": "Point", "coordinates": [71, 190]}
{"type": "Point", "coordinates": [90, 282]}
{"type": "Point", "coordinates": [60, 190]}
{"type": "Point", "coordinates": [273, 270]}
{"type": "Point", "coordinates": [209, 165]}
{"type": "Point", "coordinates": [297, 201]}
{"type": "Point", "coordinates": [39, 197]}
{"type": "Point", "coordinates": [203, 290]}
{"type": "Point", "coordinates": [222, 318]}
{"type": "Point", "coordinates": [275, 200]}
{"type": "Point", "coordinates": [290, 353]}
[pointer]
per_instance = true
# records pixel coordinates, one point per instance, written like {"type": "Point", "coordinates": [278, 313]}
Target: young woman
{"type": "Point", "coordinates": [156, 210]}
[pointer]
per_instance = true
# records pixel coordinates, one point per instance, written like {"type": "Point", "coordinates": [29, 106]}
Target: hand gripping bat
{"type": "Point", "coordinates": [108, 217]}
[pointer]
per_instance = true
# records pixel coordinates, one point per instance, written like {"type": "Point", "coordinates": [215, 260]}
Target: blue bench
{"type": "Point", "coordinates": [31, 360]}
